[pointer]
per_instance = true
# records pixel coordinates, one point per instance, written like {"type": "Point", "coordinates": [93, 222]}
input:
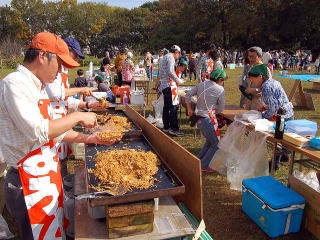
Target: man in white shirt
{"type": "Point", "coordinates": [167, 73]}
{"type": "Point", "coordinates": [33, 188]}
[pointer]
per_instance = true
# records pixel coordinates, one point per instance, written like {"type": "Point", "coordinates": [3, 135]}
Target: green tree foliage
{"type": "Point", "coordinates": [196, 24]}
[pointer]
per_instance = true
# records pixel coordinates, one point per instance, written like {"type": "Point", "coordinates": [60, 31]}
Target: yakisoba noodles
{"type": "Point", "coordinates": [109, 135]}
{"type": "Point", "coordinates": [128, 167]}
{"type": "Point", "coordinates": [121, 124]}
{"type": "Point", "coordinates": [103, 102]}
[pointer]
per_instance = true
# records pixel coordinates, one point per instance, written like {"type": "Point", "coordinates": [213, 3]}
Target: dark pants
{"type": "Point", "coordinates": [119, 80]}
{"type": "Point", "coordinates": [16, 205]}
{"type": "Point", "coordinates": [192, 71]}
{"type": "Point", "coordinates": [170, 112]}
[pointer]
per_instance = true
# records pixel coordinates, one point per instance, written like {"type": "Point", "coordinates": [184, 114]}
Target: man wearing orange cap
{"type": "Point", "coordinates": [28, 136]}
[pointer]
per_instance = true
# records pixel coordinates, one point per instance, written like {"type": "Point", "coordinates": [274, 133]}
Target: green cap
{"type": "Point", "coordinates": [183, 62]}
{"type": "Point", "coordinates": [218, 73]}
{"type": "Point", "coordinates": [98, 78]}
{"type": "Point", "coordinates": [165, 51]}
{"type": "Point", "coordinates": [257, 70]}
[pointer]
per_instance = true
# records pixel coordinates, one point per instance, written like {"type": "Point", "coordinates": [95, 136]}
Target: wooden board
{"type": "Point", "coordinates": [129, 231]}
{"type": "Point", "coordinates": [183, 163]}
{"type": "Point", "coordinates": [130, 208]}
{"type": "Point", "coordinates": [230, 111]}
{"type": "Point", "coordinates": [312, 210]}
{"type": "Point", "coordinates": [124, 221]}
{"type": "Point", "coordinates": [87, 228]}
{"type": "Point", "coordinates": [302, 99]}
{"type": "Point", "coordinates": [316, 85]}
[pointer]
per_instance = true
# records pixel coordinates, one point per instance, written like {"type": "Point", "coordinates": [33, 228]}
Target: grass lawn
{"type": "Point", "coordinates": [222, 206]}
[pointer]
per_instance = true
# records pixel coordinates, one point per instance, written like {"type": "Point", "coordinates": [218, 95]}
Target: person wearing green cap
{"type": "Point", "coordinates": [272, 92]}
{"type": "Point", "coordinates": [210, 101]}
{"type": "Point", "coordinates": [181, 67]}
{"type": "Point", "coordinates": [274, 97]}
{"type": "Point", "coordinates": [102, 85]}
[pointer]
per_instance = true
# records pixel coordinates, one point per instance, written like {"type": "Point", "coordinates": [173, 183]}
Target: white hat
{"type": "Point", "coordinates": [175, 48]}
{"type": "Point", "coordinates": [129, 54]}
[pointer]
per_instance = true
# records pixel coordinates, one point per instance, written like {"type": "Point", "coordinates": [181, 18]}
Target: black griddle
{"type": "Point", "coordinates": [168, 183]}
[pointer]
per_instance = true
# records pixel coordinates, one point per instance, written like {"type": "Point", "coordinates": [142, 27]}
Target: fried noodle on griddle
{"type": "Point", "coordinates": [128, 168]}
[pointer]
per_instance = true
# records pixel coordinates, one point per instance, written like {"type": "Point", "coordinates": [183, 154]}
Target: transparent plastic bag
{"type": "Point", "coordinates": [245, 154]}
{"type": "Point", "coordinates": [218, 162]}
{"type": "Point", "coordinates": [249, 116]}
{"type": "Point", "coordinates": [158, 107]}
{"type": "Point", "coordinates": [4, 229]}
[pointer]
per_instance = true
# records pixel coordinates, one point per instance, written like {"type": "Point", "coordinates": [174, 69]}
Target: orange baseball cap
{"type": "Point", "coordinates": [50, 42]}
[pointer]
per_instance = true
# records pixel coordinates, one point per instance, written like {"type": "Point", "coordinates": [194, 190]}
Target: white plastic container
{"type": "Point", "coordinates": [137, 97]}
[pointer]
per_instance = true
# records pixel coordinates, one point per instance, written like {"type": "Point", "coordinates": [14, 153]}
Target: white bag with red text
{"type": "Point", "coordinates": [245, 154]}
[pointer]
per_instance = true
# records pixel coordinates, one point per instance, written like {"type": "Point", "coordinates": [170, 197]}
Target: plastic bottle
{"type": "Point", "coordinates": [279, 124]}
{"type": "Point", "coordinates": [118, 98]}
{"type": "Point", "coordinates": [125, 98]}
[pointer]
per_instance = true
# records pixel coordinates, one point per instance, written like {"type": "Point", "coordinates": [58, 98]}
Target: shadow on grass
{"type": "Point", "coordinates": [312, 91]}
{"type": "Point", "coordinates": [300, 108]}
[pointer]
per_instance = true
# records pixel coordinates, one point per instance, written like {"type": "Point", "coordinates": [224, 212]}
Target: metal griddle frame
{"type": "Point", "coordinates": [168, 185]}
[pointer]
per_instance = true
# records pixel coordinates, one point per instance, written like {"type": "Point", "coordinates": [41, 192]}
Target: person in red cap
{"type": "Point", "coordinates": [29, 136]}
{"type": "Point", "coordinates": [61, 95]}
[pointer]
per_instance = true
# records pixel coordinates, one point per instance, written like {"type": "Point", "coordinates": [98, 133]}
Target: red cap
{"type": "Point", "coordinates": [50, 42]}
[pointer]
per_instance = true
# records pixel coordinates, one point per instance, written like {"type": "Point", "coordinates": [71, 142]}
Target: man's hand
{"type": "Point", "coordinates": [94, 139]}
{"type": "Point", "coordinates": [251, 90]}
{"type": "Point", "coordinates": [87, 119]}
{"type": "Point", "coordinates": [86, 91]}
{"type": "Point", "coordinates": [190, 112]}
{"type": "Point", "coordinates": [262, 109]}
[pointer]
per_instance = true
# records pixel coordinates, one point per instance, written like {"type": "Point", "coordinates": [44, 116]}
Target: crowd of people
{"type": "Point", "coordinates": [36, 125]}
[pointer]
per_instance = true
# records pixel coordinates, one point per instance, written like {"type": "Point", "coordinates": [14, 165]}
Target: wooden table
{"type": "Point", "coordinates": [230, 111]}
{"type": "Point", "coordinates": [168, 214]}
{"type": "Point", "coordinates": [313, 154]}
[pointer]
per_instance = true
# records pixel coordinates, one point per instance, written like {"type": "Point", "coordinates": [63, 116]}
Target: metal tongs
{"type": "Point", "coordinates": [115, 190]}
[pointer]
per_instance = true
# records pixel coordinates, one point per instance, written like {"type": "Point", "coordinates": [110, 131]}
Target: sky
{"type": "Point", "coordinates": [117, 3]}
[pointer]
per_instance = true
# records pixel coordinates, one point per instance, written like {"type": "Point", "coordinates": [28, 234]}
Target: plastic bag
{"type": "Point", "coordinates": [158, 107]}
{"type": "Point", "coordinates": [218, 162]}
{"type": "Point", "coordinates": [4, 229]}
{"type": "Point", "coordinates": [263, 125]}
{"type": "Point", "coordinates": [249, 116]}
{"type": "Point", "coordinates": [245, 154]}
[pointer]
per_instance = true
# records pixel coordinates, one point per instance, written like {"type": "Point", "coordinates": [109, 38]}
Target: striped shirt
{"type": "Point", "coordinates": [166, 71]}
{"type": "Point", "coordinates": [22, 126]}
{"type": "Point", "coordinates": [274, 97]}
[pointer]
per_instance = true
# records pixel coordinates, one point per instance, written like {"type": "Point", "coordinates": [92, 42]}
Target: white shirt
{"type": "Point", "coordinates": [22, 126]}
{"type": "Point", "coordinates": [56, 91]}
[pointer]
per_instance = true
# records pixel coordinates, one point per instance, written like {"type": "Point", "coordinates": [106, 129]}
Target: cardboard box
{"type": "Point", "coordinates": [312, 210]}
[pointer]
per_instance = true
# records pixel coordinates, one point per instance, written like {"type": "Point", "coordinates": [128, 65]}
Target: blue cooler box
{"type": "Point", "coordinates": [275, 208]}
